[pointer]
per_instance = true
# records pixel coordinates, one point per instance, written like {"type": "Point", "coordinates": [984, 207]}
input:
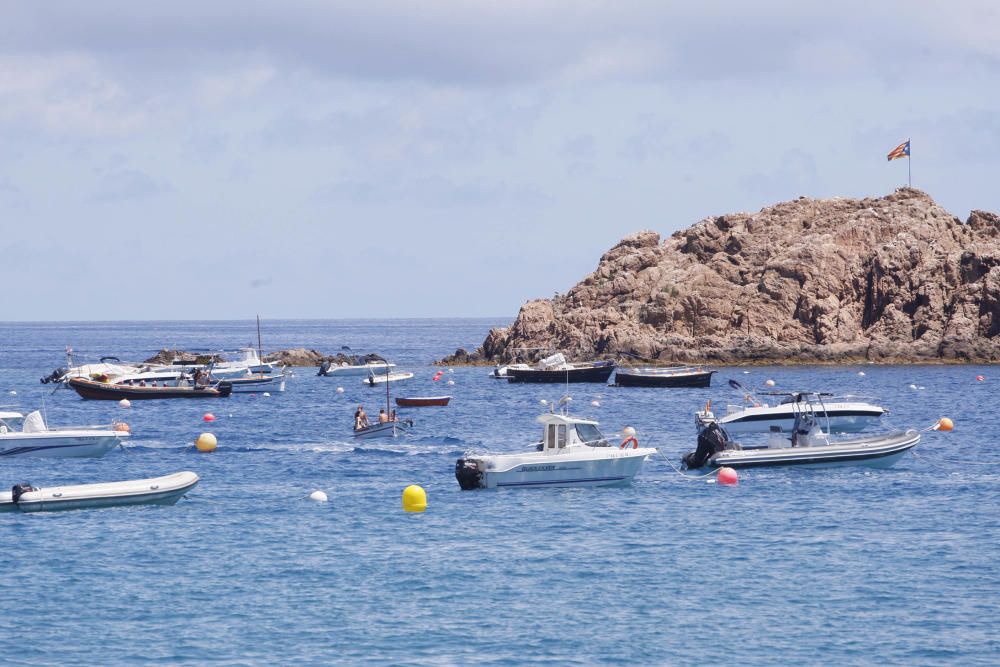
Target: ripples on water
{"type": "Point", "coordinates": [791, 566]}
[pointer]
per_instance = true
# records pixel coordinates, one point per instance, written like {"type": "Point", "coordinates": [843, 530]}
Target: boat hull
{"type": "Point", "coordinates": [165, 490]}
{"type": "Point", "coordinates": [256, 383]}
{"type": "Point", "coordinates": [384, 430]}
{"type": "Point", "coordinates": [351, 371]}
{"type": "Point", "coordinates": [374, 380]}
{"type": "Point", "coordinates": [875, 452]}
{"type": "Point", "coordinates": [560, 472]}
{"type": "Point", "coordinates": [103, 391]}
{"type": "Point", "coordinates": [662, 379]}
{"type": "Point", "coordinates": [59, 446]}
{"type": "Point", "coordinates": [422, 401]}
{"type": "Point", "coordinates": [572, 375]}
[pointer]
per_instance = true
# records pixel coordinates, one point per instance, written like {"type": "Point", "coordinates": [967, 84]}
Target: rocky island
{"type": "Point", "coordinates": [890, 279]}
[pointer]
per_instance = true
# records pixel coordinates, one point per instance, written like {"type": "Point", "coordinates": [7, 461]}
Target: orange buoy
{"type": "Point", "coordinates": [209, 417]}
{"type": "Point", "coordinates": [727, 476]}
{"type": "Point", "coordinates": [945, 424]}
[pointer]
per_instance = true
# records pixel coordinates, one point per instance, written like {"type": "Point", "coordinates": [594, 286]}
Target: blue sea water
{"type": "Point", "coordinates": [842, 566]}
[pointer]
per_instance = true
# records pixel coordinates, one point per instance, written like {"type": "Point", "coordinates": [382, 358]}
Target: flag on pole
{"type": "Point", "coordinates": [902, 150]}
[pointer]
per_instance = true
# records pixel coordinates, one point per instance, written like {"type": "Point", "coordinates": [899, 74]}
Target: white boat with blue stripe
{"type": "Point", "coordinates": [573, 452]}
{"type": "Point", "coordinates": [27, 435]}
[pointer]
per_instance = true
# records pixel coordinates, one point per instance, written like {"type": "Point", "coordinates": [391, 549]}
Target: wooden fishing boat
{"type": "Point", "coordinates": [651, 376]}
{"type": "Point", "coordinates": [108, 391]}
{"type": "Point", "coordinates": [555, 369]}
{"type": "Point", "coordinates": [421, 401]}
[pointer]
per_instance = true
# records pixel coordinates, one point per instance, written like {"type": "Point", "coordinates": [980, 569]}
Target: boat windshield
{"type": "Point", "coordinates": [590, 435]}
{"type": "Point", "coordinates": [11, 424]}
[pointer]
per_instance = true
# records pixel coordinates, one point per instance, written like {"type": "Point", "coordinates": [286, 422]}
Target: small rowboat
{"type": "Point", "coordinates": [684, 376]}
{"type": "Point", "coordinates": [421, 401]}
{"type": "Point", "coordinates": [165, 490]}
{"type": "Point", "coordinates": [107, 391]}
{"type": "Point", "coordinates": [383, 430]}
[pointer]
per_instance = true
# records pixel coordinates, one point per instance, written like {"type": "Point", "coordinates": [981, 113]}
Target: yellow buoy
{"type": "Point", "coordinates": [414, 499]}
{"type": "Point", "coordinates": [206, 442]}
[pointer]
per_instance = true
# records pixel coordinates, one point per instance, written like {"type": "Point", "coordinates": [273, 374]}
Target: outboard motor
{"type": "Point", "coordinates": [54, 376]}
{"type": "Point", "coordinates": [324, 367]}
{"type": "Point", "coordinates": [711, 441]}
{"type": "Point", "coordinates": [468, 474]}
{"type": "Point", "coordinates": [19, 490]}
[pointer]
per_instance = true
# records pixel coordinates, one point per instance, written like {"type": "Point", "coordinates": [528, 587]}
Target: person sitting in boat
{"type": "Point", "coordinates": [382, 417]}
{"type": "Point", "coordinates": [360, 419]}
{"type": "Point", "coordinates": [392, 415]}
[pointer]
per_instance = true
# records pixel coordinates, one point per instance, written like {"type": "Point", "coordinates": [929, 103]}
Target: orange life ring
{"type": "Point", "coordinates": [635, 443]}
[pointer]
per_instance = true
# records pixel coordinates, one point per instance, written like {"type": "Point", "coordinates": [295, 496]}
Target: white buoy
{"type": "Point", "coordinates": [267, 393]}
{"type": "Point", "coordinates": [770, 383]}
{"type": "Point", "coordinates": [913, 386]}
{"type": "Point", "coordinates": [13, 393]}
{"type": "Point", "coordinates": [340, 390]}
{"type": "Point", "coordinates": [450, 382]}
{"type": "Point", "coordinates": [596, 404]}
{"type": "Point", "coordinates": [861, 373]}
{"type": "Point", "coordinates": [746, 372]}
{"type": "Point", "coordinates": [125, 403]}
{"type": "Point", "coordinates": [317, 497]}
{"type": "Point", "coordinates": [543, 402]}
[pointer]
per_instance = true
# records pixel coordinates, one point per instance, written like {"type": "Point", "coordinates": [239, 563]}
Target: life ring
{"type": "Point", "coordinates": [631, 438]}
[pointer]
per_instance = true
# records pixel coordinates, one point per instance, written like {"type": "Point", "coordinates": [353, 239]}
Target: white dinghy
{"type": "Point", "coordinates": [27, 435]}
{"type": "Point", "coordinates": [573, 452]}
{"type": "Point", "coordinates": [165, 490]}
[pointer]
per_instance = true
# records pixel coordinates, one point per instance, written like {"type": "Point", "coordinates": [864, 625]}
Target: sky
{"type": "Point", "coordinates": [192, 160]}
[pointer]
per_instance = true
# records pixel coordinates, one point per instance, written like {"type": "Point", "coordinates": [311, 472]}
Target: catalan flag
{"type": "Point", "coordinates": [902, 150]}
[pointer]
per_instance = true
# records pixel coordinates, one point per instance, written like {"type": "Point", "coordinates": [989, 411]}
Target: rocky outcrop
{"type": "Point", "coordinates": [167, 356]}
{"type": "Point", "coordinates": [299, 356]}
{"type": "Point", "coordinates": [887, 279]}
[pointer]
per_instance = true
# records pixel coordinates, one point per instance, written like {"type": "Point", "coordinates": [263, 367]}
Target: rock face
{"type": "Point", "coordinates": [891, 279]}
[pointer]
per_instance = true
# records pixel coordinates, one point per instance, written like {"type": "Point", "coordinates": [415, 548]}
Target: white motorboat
{"type": "Point", "coordinates": [27, 435]}
{"type": "Point", "coordinates": [845, 414]}
{"type": "Point", "coordinates": [374, 379]}
{"type": "Point", "coordinates": [809, 444]}
{"type": "Point", "coordinates": [328, 369]}
{"type": "Point", "coordinates": [573, 452]}
{"type": "Point", "coordinates": [165, 490]}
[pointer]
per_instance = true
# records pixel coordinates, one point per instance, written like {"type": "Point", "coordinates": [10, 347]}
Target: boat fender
{"type": "Point", "coordinates": [631, 438]}
{"type": "Point", "coordinates": [19, 490]}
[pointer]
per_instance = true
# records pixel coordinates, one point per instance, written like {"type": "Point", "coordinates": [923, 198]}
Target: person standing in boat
{"type": "Point", "coordinates": [360, 419]}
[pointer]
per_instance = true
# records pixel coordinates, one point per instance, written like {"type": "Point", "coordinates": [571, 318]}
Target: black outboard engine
{"type": "Point", "coordinates": [468, 474]}
{"type": "Point", "coordinates": [54, 376]}
{"type": "Point", "coordinates": [19, 490]}
{"type": "Point", "coordinates": [711, 441]}
{"type": "Point", "coordinates": [324, 367]}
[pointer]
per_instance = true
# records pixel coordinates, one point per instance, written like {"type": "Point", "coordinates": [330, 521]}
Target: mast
{"type": "Point", "coordinates": [260, 350]}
